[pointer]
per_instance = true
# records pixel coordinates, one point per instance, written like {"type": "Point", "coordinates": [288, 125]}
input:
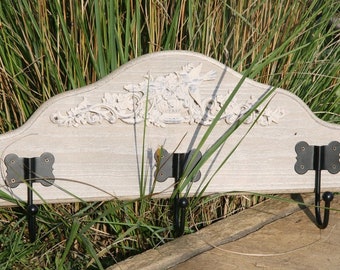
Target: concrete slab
{"type": "Point", "coordinates": [276, 234]}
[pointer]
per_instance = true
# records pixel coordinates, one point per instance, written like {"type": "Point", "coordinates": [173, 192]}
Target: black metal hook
{"type": "Point", "coordinates": [30, 170]}
{"type": "Point", "coordinates": [32, 209]}
{"type": "Point", "coordinates": [327, 197]}
{"type": "Point", "coordinates": [319, 158]}
{"type": "Point", "coordinates": [173, 165]}
{"type": "Point", "coordinates": [180, 204]}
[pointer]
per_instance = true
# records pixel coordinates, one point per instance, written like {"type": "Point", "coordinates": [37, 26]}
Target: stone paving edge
{"type": "Point", "coordinates": [227, 230]}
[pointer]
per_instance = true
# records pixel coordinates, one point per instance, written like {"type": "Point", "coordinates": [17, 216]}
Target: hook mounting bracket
{"type": "Point", "coordinates": [29, 170]}
{"type": "Point", "coordinates": [318, 158]}
{"type": "Point", "coordinates": [172, 165]}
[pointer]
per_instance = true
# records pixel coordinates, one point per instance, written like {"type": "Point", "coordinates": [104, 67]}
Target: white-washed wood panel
{"type": "Point", "coordinates": [104, 159]}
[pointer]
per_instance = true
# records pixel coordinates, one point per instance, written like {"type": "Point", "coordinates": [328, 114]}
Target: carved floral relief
{"type": "Point", "coordinates": [170, 99]}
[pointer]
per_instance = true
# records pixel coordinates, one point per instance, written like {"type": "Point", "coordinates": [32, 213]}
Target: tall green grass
{"type": "Point", "coordinates": [47, 47]}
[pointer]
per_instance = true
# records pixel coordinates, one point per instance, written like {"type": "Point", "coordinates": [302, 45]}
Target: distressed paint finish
{"type": "Point", "coordinates": [95, 133]}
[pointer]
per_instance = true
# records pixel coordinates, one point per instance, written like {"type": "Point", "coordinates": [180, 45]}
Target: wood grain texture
{"type": "Point", "coordinates": [103, 160]}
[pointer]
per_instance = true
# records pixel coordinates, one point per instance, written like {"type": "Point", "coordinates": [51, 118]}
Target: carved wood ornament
{"type": "Point", "coordinates": [172, 99]}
